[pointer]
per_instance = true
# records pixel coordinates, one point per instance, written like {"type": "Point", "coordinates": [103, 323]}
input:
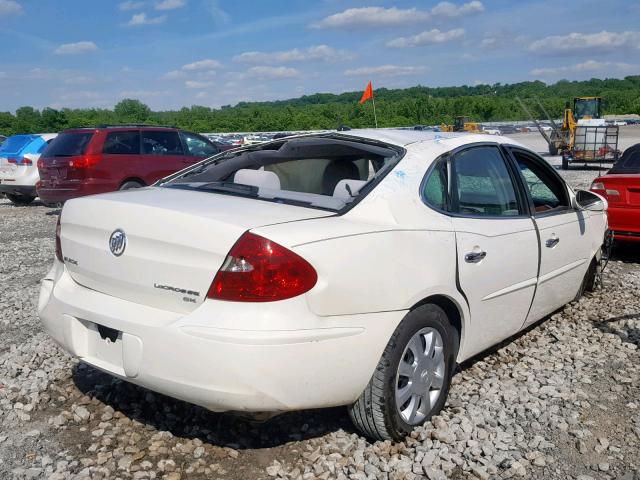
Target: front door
{"type": "Point", "coordinates": [497, 244]}
{"type": "Point", "coordinates": [565, 242]}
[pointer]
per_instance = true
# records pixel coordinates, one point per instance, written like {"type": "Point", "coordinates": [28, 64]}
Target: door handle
{"type": "Point", "coordinates": [474, 257]}
{"type": "Point", "coordinates": [552, 242]}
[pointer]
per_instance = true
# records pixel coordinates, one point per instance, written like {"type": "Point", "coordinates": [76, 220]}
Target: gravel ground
{"type": "Point", "coordinates": [559, 401]}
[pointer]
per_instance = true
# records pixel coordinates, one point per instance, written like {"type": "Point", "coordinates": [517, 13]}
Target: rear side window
{"type": "Point", "coordinates": [44, 146]}
{"type": "Point", "coordinates": [434, 189]}
{"type": "Point", "coordinates": [159, 142]}
{"type": "Point", "coordinates": [630, 161]}
{"type": "Point", "coordinates": [68, 144]}
{"type": "Point", "coordinates": [198, 146]}
{"type": "Point", "coordinates": [482, 185]}
{"type": "Point", "coordinates": [122, 143]}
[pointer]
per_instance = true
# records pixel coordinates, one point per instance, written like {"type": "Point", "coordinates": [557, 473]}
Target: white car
{"type": "Point", "coordinates": [19, 156]}
{"type": "Point", "coordinates": [315, 271]}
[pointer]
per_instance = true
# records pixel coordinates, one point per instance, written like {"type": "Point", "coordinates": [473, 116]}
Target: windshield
{"type": "Point", "coordinates": [319, 172]}
{"type": "Point", "coordinates": [586, 108]}
{"type": "Point", "coordinates": [15, 143]}
{"type": "Point", "coordinates": [68, 144]}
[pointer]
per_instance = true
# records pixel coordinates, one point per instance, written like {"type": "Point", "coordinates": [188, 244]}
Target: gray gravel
{"type": "Point", "coordinates": [559, 401]}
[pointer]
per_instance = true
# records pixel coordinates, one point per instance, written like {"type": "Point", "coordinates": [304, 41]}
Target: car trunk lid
{"type": "Point", "coordinates": [622, 190]}
{"type": "Point", "coordinates": [176, 241]}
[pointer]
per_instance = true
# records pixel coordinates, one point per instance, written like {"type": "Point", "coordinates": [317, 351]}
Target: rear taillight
{"type": "Point", "coordinates": [58, 244]}
{"type": "Point", "coordinates": [20, 161]}
{"type": "Point", "coordinates": [597, 187]}
{"type": "Point", "coordinates": [85, 161]}
{"type": "Point", "coordinates": [259, 270]}
{"type": "Point", "coordinates": [600, 188]}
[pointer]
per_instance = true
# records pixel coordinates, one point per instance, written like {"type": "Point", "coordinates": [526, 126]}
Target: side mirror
{"type": "Point", "coordinates": [586, 200]}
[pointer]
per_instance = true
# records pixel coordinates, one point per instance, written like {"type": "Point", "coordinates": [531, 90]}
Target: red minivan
{"type": "Point", "coordinates": [84, 161]}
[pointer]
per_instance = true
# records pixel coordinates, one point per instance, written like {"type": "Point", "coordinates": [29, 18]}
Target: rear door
{"type": "Point", "coordinates": [162, 153]}
{"type": "Point", "coordinates": [121, 156]}
{"type": "Point", "coordinates": [565, 235]}
{"type": "Point", "coordinates": [497, 245]}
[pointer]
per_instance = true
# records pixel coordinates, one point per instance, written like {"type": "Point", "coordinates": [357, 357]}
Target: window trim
{"type": "Point", "coordinates": [449, 157]}
{"type": "Point", "coordinates": [561, 210]}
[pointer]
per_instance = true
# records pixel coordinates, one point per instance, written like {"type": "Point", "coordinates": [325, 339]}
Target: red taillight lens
{"type": "Point", "coordinates": [597, 186]}
{"type": "Point", "coordinates": [259, 270]}
{"type": "Point", "coordinates": [20, 161]}
{"type": "Point", "coordinates": [85, 161]}
{"type": "Point", "coordinates": [58, 244]}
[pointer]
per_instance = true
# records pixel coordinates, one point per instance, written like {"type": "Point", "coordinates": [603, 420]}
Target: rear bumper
{"type": "Point", "coordinates": [28, 190]}
{"type": "Point", "coordinates": [325, 361]}
{"type": "Point", "coordinates": [72, 189]}
{"type": "Point", "coordinates": [624, 222]}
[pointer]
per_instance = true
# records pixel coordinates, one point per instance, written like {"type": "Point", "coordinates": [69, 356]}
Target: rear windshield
{"type": "Point", "coordinates": [16, 143]}
{"type": "Point", "coordinates": [630, 161]}
{"type": "Point", "coordinates": [68, 144]}
{"type": "Point", "coordinates": [319, 172]}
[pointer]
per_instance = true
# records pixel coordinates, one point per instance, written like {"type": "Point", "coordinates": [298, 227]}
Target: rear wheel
{"type": "Point", "coordinates": [411, 382]}
{"type": "Point", "coordinates": [553, 149]}
{"type": "Point", "coordinates": [20, 200]}
{"type": "Point", "coordinates": [130, 184]}
{"type": "Point", "coordinates": [565, 163]}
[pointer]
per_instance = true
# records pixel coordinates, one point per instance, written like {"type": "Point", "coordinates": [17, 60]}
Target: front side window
{"type": "Point", "coordinates": [159, 142]}
{"type": "Point", "coordinates": [198, 146]}
{"type": "Point", "coordinates": [482, 185]}
{"type": "Point", "coordinates": [122, 143]}
{"type": "Point", "coordinates": [546, 191]}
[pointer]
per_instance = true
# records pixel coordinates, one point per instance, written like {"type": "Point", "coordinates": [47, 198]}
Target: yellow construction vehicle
{"type": "Point", "coordinates": [461, 124]}
{"type": "Point", "coordinates": [583, 136]}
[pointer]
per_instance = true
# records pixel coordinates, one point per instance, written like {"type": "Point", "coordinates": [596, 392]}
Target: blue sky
{"type": "Point", "coordinates": [175, 53]}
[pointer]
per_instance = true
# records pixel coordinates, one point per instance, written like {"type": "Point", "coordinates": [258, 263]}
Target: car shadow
{"type": "Point", "coordinates": [627, 252]}
{"type": "Point", "coordinates": [627, 333]}
{"type": "Point", "coordinates": [188, 421]}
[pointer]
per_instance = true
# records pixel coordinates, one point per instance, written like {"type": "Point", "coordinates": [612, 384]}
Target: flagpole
{"type": "Point", "coordinates": [373, 99]}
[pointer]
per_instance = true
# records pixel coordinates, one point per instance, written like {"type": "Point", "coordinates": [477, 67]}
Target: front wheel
{"type": "Point", "coordinates": [130, 184]}
{"type": "Point", "coordinates": [411, 382]}
{"type": "Point", "coordinates": [20, 200]}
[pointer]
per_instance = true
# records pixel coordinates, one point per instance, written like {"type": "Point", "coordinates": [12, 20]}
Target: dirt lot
{"type": "Point", "coordinates": [559, 401]}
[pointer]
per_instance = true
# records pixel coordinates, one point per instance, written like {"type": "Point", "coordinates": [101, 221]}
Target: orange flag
{"type": "Point", "coordinates": [367, 94]}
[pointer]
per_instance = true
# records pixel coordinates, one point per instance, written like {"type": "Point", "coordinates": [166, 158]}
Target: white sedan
{"type": "Point", "coordinates": [314, 271]}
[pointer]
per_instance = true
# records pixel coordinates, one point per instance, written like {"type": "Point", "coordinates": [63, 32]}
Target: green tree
{"type": "Point", "coordinates": [131, 111]}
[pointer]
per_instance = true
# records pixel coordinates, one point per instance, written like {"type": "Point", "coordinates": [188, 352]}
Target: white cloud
{"type": "Point", "coordinates": [588, 66]}
{"type": "Point", "coordinates": [139, 19]}
{"type": "Point", "coordinates": [170, 4]}
{"type": "Point", "coordinates": [8, 7]}
{"type": "Point", "coordinates": [75, 48]}
{"type": "Point", "coordinates": [218, 15]}
{"type": "Point", "coordinates": [130, 5]}
{"type": "Point", "coordinates": [427, 38]}
{"type": "Point", "coordinates": [174, 75]}
{"type": "Point", "coordinates": [273, 72]}
{"type": "Point", "coordinates": [316, 52]}
{"type": "Point", "coordinates": [393, 16]}
{"type": "Point", "coordinates": [451, 10]}
{"type": "Point", "coordinates": [207, 64]}
{"type": "Point", "coordinates": [587, 42]}
{"type": "Point", "coordinates": [386, 71]}
{"type": "Point", "coordinates": [197, 84]}
{"type": "Point", "coordinates": [202, 95]}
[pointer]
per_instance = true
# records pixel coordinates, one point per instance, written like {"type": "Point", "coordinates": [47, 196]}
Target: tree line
{"type": "Point", "coordinates": [395, 107]}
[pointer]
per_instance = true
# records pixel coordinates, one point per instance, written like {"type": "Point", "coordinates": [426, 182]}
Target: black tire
{"type": "Point", "coordinates": [565, 163]}
{"type": "Point", "coordinates": [589, 281]}
{"type": "Point", "coordinates": [375, 413]}
{"type": "Point", "coordinates": [130, 184]}
{"type": "Point", "coordinates": [553, 149]}
{"type": "Point", "coordinates": [20, 200]}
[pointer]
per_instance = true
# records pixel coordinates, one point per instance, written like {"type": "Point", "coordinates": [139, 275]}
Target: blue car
{"type": "Point", "coordinates": [19, 156]}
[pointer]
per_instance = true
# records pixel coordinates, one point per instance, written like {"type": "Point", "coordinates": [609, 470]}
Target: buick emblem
{"type": "Point", "coordinates": [117, 242]}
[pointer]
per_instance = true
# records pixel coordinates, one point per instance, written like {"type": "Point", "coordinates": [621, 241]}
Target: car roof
{"type": "Point", "coordinates": [402, 138]}
{"type": "Point", "coordinates": [122, 127]}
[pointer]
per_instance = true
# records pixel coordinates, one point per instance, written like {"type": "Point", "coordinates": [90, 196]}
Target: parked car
{"type": "Point", "coordinates": [18, 171]}
{"type": "Point", "coordinates": [621, 187]}
{"type": "Point", "coordinates": [316, 271]}
{"type": "Point", "coordinates": [85, 161]}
